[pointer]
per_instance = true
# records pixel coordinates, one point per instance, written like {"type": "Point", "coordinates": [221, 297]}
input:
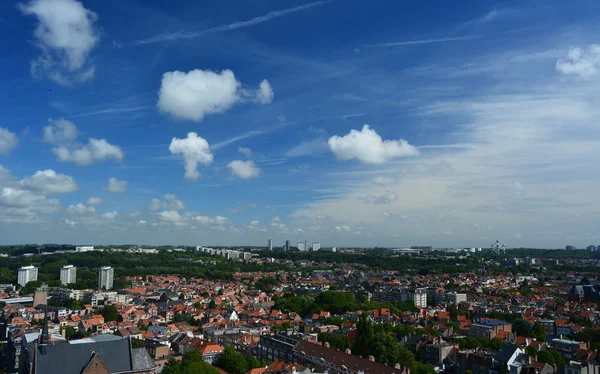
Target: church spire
{"type": "Point", "coordinates": [44, 337]}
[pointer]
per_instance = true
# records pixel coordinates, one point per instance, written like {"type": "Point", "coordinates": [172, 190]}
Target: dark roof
{"type": "Point", "coordinates": [339, 358]}
{"type": "Point", "coordinates": [72, 358]}
{"type": "Point", "coordinates": [506, 352]}
{"type": "Point", "coordinates": [141, 359]}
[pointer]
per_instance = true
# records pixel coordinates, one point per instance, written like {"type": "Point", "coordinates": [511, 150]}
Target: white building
{"type": "Point", "coordinates": [27, 274]}
{"type": "Point", "coordinates": [270, 245]}
{"type": "Point", "coordinates": [301, 246]}
{"type": "Point", "coordinates": [316, 246]}
{"type": "Point", "coordinates": [84, 248]}
{"type": "Point", "coordinates": [105, 277]}
{"type": "Point", "coordinates": [68, 274]}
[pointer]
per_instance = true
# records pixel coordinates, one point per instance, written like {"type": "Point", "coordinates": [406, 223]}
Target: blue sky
{"type": "Point", "coordinates": [352, 123]}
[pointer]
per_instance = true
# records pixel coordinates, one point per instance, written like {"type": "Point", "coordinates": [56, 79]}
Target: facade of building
{"type": "Point", "coordinates": [418, 295]}
{"type": "Point", "coordinates": [287, 245]}
{"type": "Point", "coordinates": [488, 329]}
{"type": "Point", "coordinates": [270, 245]}
{"type": "Point", "coordinates": [27, 274]}
{"type": "Point", "coordinates": [301, 246]}
{"type": "Point", "coordinates": [68, 274]}
{"type": "Point", "coordinates": [316, 246]}
{"type": "Point", "coordinates": [105, 278]}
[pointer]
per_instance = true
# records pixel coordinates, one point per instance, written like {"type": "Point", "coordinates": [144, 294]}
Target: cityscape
{"type": "Point", "coordinates": [299, 187]}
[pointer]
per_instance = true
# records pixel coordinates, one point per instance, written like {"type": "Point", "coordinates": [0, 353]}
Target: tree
{"type": "Point", "coordinates": [538, 332]}
{"type": "Point", "coordinates": [547, 357]}
{"type": "Point", "coordinates": [522, 327]}
{"type": "Point", "coordinates": [110, 313]}
{"type": "Point", "coordinates": [137, 343]}
{"type": "Point", "coordinates": [232, 362]}
{"type": "Point", "coordinates": [531, 350]}
{"type": "Point", "coordinates": [212, 304]}
{"type": "Point", "coordinates": [496, 344]}
{"type": "Point", "coordinates": [364, 336]}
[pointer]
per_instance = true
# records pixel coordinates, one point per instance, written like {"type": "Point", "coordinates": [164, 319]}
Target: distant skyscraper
{"type": "Point", "coordinates": [306, 245]}
{"type": "Point", "coordinates": [27, 274]}
{"type": "Point", "coordinates": [68, 274]}
{"type": "Point", "coordinates": [105, 277]}
{"type": "Point", "coordinates": [270, 245]}
{"type": "Point", "coordinates": [570, 248]}
{"type": "Point", "coordinates": [287, 245]}
{"type": "Point", "coordinates": [301, 246]}
{"type": "Point", "coordinates": [316, 246]}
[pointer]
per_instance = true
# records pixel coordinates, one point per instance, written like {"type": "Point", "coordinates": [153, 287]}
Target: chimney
{"type": "Point", "coordinates": [347, 351]}
{"type": "Point", "coordinates": [371, 358]}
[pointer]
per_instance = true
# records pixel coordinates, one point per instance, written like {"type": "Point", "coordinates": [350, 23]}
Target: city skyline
{"type": "Point", "coordinates": [348, 123]}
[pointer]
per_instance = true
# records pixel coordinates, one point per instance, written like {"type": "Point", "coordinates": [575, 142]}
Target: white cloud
{"type": "Point", "coordinates": [110, 215]}
{"type": "Point", "coordinates": [194, 150]}
{"type": "Point", "coordinates": [170, 216]}
{"type": "Point", "coordinates": [115, 185]}
{"type": "Point", "coordinates": [49, 182]}
{"type": "Point", "coordinates": [244, 169]}
{"type": "Point", "coordinates": [584, 63]}
{"type": "Point", "coordinates": [93, 200]}
{"type": "Point", "coordinates": [170, 202]}
{"type": "Point", "coordinates": [265, 92]}
{"type": "Point", "coordinates": [254, 223]}
{"type": "Point", "coordinates": [70, 222]}
{"type": "Point", "coordinates": [156, 204]}
{"type": "Point", "coordinates": [343, 228]}
{"type": "Point", "coordinates": [245, 151]}
{"type": "Point", "coordinates": [81, 209]}
{"type": "Point", "coordinates": [197, 93]}
{"type": "Point", "coordinates": [8, 141]}
{"type": "Point", "coordinates": [13, 197]}
{"type": "Point", "coordinates": [97, 150]}
{"type": "Point", "coordinates": [63, 135]}
{"type": "Point", "coordinates": [65, 34]}
{"type": "Point", "coordinates": [384, 181]}
{"type": "Point", "coordinates": [60, 132]}
{"type": "Point", "coordinates": [368, 147]}
{"type": "Point", "coordinates": [142, 222]}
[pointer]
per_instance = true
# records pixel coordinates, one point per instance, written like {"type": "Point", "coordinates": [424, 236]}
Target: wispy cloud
{"type": "Point", "coordinates": [280, 126]}
{"type": "Point", "coordinates": [228, 27]}
{"type": "Point", "coordinates": [10, 24]}
{"type": "Point", "coordinates": [427, 41]}
{"type": "Point", "coordinates": [112, 111]}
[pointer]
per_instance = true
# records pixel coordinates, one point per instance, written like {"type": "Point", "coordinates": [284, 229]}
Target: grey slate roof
{"type": "Point", "coordinates": [141, 359]}
{"type": "Point", "coordinates": [72, 358]}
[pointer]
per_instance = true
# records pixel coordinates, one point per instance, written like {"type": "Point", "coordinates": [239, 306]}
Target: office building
{"type": "Point", "coordinates": [84, 248]}
{"type": "Point", "coordinates": [68, 274]}
{"type": "Point", "coordinates": [287, 245]}
{"type": "Point", "coordinates": [570, 248]}
{"type": "Point", "coordinates": [591, 248]}
{"type": "Point", "coordinates": [301, 246]}
{"type": "Point", "coordinates": [417, 295]}
{"type": "Point", "coordinates": [105, 278]}
{"type": "Point", "coordinates": [270, 244]}
{"type": "Point", "coordinates": [27, 274]}
{"type": "Point", "coordinates": [316, 246]}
